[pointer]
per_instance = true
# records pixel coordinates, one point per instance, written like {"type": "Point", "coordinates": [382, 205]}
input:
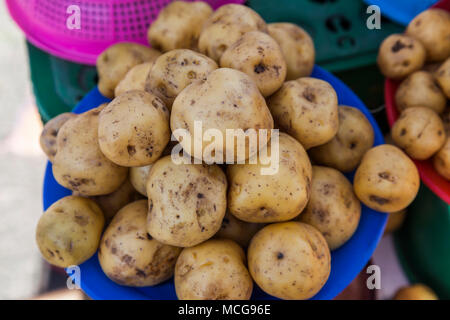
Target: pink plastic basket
{"type": "Point", "coordinates": [102, 23]}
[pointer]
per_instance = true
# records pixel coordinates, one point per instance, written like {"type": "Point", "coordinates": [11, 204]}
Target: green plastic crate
{"type": "Point", "coordinates": [338, 28]}
{"type": "Point", "coordinates": [58, 85]}
{"type": "Point", "coordinates": [423, 243]}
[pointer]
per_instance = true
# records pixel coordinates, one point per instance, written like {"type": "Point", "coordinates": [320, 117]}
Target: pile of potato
{"type": "Point", "coordinates": [420, 58]}
{"type": "Point", "coordinates": [230, 70]}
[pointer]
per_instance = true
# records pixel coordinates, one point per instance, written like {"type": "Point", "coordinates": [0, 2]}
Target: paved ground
{"type": "Point", "coordinates": [22, 272]}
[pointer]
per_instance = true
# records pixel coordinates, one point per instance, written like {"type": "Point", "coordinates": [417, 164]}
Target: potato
{"type": "Point", "coordinates": [400, 55]}
{"type": "Point", "coordinates": [445, 116]}
{"type": "Point", "coordinates": [133, 129]}
{"type": "Point", "coordinates": [333, 207]}
{"type": "Point", "coordinates": [111, 203]}
{"type": "Point", "coordinates": [432, 29]}
{"type": "Point", "coordinates": [178, 25]}
{"type": "Point", "coordinates": [415, 292]}
{"type": "Point", "coordinates": [260, 57]}
{"type": "Point", "coordinates": [419, 89]}
{"type": "Point", "coordinates": [307, 109]}
{"type": "Point", "coordinates": [213, 270]}
{"type": "Point", "coordinates": [441, 160]}
{"type": "Point", "coordinates": [386, 180]}
{"type": "Point", "coordinates": [175, 70]}
{"type": "Point", "coordinates": [138, 178]}
{"type": "Point", "coordinates": [297, 47]}
{"type": "Point", "coordinates": [79, 165]}
{"type": "Point", "coordinates": [354, 137]}
{"type": "Point", "coordinates": [225, 26]}
{"type": "Point", "coordinates": [68, 233]}
{"type": "Point", "coordinates": [442, 76]}
{"type": "Point", "coordinates": [419, 131]}
{"type": "Point", "coordinates": [187, 202]}
{"type": "Point", "coordinates": [114, 63]}
{"type": "Point", "coordinates": [395, 221]}
{"type": "Point", "coordinates": [237, 230]}
{"type": "Point", "coordinates": [289, 260]}
{"type": "Point", "coordinates": [134, 79]}
{"type": "Point", "coordinates": [129, 256]}
{"type": "Point", "coordinates": [48, 136]}
{"type": "Point", "coordinates": [257, 197]}
{"type": "Point", "coordinates": [226, 99]}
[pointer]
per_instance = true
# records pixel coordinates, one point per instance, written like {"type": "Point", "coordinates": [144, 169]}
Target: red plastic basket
{"type": "Point", "coordinates": [428, 174]}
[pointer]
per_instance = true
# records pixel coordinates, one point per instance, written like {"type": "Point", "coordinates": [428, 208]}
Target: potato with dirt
{"type": "Point", "coordinates": [441, 160]}
{"type": "Point", "coordinates": [79, 164]}
{"type": "Point", "coordinates": [225, 26]}
{"type": "Point", "coordinates": [354, 137]}
{"type": "Point", "coordinates": [178, 25]}
{"type": "Point", "coordinates": [237, 230]}
{"type": "Point", "coordinates": [420, 132]}
{"type": "Point", "coordinates": [258, 55]}
{"type": "Point", "coordinates": [306, 109]}
{"type": "Point", "coordinates": [187, 202]}
{"type": "Point", "coordinates": [134, 79]}
{"type": "Point", "coordinates": [175, 70]}
{"type": "Point", "coordinates": [289, 260]}
{"type": "Point", "coordinates": [115, 62]}
{"type": "Point", "coordinates": [420, 89]}
{"type": "Point", "coordinates": [333, 208]}
{"type": "Point", "coordinates": [129, 256]}
{"type": "Point", "coordinates": [226, 99]}
{"type": "Point", "coordinates": [297, 47]}
{"type": "Point", "coordinates": [279, 195]}
{"type": "Point", "coordinates": [113, 202]}
{"type": "Point", "coordinates": [400, 55]}
{"type": "Point", "coordinates": [133, 129]}
{"type": "Point", "coordinates": [48, 136]}
{"type": "Point", "coordinates": [213, 270]}
{"type": "Point", "coordinates": [386, 180]}
{"type": "Point", "coordinates": [442, 76]}
{"type": "Point", "coordinates": [432, 29]}
{"type": "Point", "coordinates": [138, 178]}
{"type": "Point", "coordinates": [69, 231]}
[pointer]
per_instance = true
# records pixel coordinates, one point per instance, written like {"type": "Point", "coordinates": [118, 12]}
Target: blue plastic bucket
{"type": "Point", "coordinates": [346, 262]}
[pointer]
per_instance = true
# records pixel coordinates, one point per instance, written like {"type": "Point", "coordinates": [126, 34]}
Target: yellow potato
{"type": "Point", "coordinates": [237, 230]}
{"type": "Point", "coordinates": [333, 207]}
{"type": "Point", "coordinates": [187, 202]}
{"type": "Point", "coordinates": [129, 256]}
{"type": "Point", "coordinates": [138, 178]}
{"type": "Point", "coordinates": [175, 70]}
{"type": "Point", "coordinates": [419, 89]}
{"type": "Point", "coordinates": [68, 233]}
{"type": "Point", "coordinates": [79, 165]}
{"type": "Point", "coordinates": [400, 55]}
{"type": "Point", "coordinates": [225, 26]}
{"type": "Point", "coordinates": [415, 292]}
{"type": "Point", "coordinates": [255, 196]}
{"type": "Point", "coordinates": [114, 63]}
{"type": "Point", "coordinates": [134, 79]}
{"type": "Point", "coordinates": [226, 99]}
{"type": "Point", "coordinates": [442, 76]}
{"type": "Point", "coordinates": [260, 57]}
{"type": "Point", "coordinates": [354, 137]}
{"type": "Point", "coordinates": [432, 29]}
{"type": "Point", "coordinates": [419, 131]}
{"type": "Point", "coordinates": [213, 270]}
{"type": "Point", "coordinates": [48, 136]}
{"type": "Point", "coordinates": [178, 25]}
{"type": "Point", "coordinates": [307, 109]}
{"type": "Point", "coordinates": [441, 160]}
{"type": "Point", "coordinates": [386, 180]}
{"type": "Point", "coordinates": [289, 260]}
{"type": "Point", "coordinates": [133, 129]}
{"type": "Point", "coordinates": [113, 202]}
{"type": "Point", "coordinates": [297, 47]}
